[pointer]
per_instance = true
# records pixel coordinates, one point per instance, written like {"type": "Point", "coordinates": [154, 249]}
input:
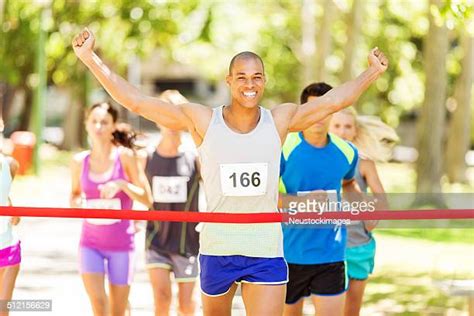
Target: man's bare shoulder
{"type": "Point", "coordinates": [283, 113]}
{"type": "Point", "coordinates": [284, 109]}
{"type": "Point", "coordinates": [193, 109]}
{"type": "Point", "coordinates": [198, 113]}
{"type": "Point", "coordinates": [199, 118]}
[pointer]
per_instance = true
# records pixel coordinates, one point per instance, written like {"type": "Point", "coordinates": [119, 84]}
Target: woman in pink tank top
{"type": "Point", "coordinates": [107, 177]}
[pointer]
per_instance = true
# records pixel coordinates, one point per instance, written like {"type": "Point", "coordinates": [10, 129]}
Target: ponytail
{"type": "Point", "coordinates": [374, 139]}
{"type": "Point", "coordinates": [125, 136]}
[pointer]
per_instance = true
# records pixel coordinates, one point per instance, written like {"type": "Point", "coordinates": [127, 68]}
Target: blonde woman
{"type": "Point", "coordinates": [373, 139]}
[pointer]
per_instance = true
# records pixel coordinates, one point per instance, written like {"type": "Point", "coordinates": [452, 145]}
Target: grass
{"type": "Point", "coordinates": [453, 235]}
{"type": "Point", "coordinates": [409, 294]}
{"type": "Point", "coordinates": [400, 178]}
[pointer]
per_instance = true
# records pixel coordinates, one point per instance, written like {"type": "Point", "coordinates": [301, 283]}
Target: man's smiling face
{"type": "Point", "coordinates": [247, 82]}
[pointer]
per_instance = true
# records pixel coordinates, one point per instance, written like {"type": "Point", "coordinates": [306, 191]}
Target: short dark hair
{"type": "Point", "coordinates": [245, 55]}
{"type": "Point", "coordinates": [316, 89]}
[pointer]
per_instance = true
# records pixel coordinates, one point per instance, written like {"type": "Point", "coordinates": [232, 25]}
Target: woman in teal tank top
{"type": "Point", "coordinates": [371, 137]}
{"type": "Point", "coordinates": [10, 251]}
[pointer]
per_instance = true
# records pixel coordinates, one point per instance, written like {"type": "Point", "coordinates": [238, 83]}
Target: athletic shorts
{"type": "Point", "coordinates": [318, 279]}
{"type": "Point", "coordinates": [118, 265]}
{"type": "Point", "coordinates": [10, 256]}
{"type": "Point", "coordinates": [361, 260]}
{"type": "Point", "coordinates": [219, 273]}
{"type": "Point", "coordinates": [185, 269]}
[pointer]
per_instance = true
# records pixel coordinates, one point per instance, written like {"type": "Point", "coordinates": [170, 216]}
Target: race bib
{"type": "Point", "coordinates": [331, 202]}
{"type": "Point", "coordinates": [106, 204]}
{"type": "Point", "coordinates": [244, 179]}
{"type": "Point", "coordinates": [170, 189]}
{"type": "Point", "coordinates": [331, 194]}
{"type": "Point", "coordinates": [4, 224]}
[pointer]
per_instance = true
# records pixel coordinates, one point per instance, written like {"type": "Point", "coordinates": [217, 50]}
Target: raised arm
{"type": "Point", "coordinates": [154, 109]}
{"type": "Point", "coordinates": [303, 116]}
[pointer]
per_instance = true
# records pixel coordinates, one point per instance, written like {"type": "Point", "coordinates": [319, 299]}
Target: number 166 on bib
{"type": "Point", "coordinates": [244, 179]}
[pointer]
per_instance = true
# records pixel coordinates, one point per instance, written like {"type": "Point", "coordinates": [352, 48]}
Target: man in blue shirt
{"type": "Point", "coordinates": [314, 160]}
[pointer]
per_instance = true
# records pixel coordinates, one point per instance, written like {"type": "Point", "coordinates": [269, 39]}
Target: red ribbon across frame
{"type": "Point", "coordinates": [274, 217]}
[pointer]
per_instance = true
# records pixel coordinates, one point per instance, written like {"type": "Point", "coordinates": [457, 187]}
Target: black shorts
{"type": "Point", "coordinates": [318, 279]}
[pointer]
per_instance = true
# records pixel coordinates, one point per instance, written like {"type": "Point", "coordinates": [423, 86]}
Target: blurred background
{"type": "Point", "coordinates": [426, 94]}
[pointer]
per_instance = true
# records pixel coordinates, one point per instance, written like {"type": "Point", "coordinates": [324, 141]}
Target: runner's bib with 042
{"type": "Point", "coordinates": [170, 189]}
{"type": "Point", "coordinates": [244, 179]}
{"type": "Point", "coordinates": [105, 204]}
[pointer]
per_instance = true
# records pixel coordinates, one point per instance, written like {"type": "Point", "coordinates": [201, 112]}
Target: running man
{"type": "Point", "coordinates": [367, 134]}
{"type": "Point", "coordinates": [239, 147]}
{"type": "Point", "coordinates": [174, 178]}
{"type": "Point", "coordinates": [314, 160]}
{"type": "Point", "coordinates": [10, 251]}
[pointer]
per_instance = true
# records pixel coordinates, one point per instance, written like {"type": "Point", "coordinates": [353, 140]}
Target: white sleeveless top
{"type": "Point", "coordinates": [240, 174]}
{"type": "Point", "coordinates": [7, 237]}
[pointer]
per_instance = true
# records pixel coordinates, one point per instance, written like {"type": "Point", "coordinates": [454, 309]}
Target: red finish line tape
{"type": "Point", "coordinates": [182, 216]}
{"type": "Point", "coordinates": [166, 216]}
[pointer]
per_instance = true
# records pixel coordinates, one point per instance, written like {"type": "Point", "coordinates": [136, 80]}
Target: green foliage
{"type": "Point", "coordinates": [456, 13]}
{"type": "Point", "coordinates": [445, 235]}
{"type": "Point", "coordinates": [125, 28]}
{"type": "Point", "coordinates": [19, 33]}
{"type": "Point", "coordinates": [206, 34]}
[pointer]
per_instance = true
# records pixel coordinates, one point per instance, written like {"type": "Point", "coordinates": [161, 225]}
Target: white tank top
{"type": "Point", "coordinates": [7, 238]}
{"type": "Point", "coordinates": [240, 174]}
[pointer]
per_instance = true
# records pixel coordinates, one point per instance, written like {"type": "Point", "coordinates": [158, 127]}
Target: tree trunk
{"type": "Point", "coordinates": [323, 44]}
{"type": "Point", "coordinates": [7, 95]}
{"type": "Point", "coordinates": [73, 124]}
{"type": "Point", "coordinates": [432, 118]}
{"type": "Point", "coordinates": [308, 40]}
{"type": "Point", "coordinates": [25, 116]}
{"type": "Point", "coordinates": [460, 125]}
{"type": "Point", "coordinates": [353, 37]}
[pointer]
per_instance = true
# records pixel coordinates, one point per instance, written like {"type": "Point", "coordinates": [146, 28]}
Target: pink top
{"type": "Point", "coordinates": [117, 236]}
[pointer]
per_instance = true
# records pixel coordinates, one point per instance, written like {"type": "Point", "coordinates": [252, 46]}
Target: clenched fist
{"type": "Point", "coordinates": [15, 220]}
{"type": "Point", "coordinates": [110, 189]}
{"type": "Point", "coordinates": [378, 60]}
{"type": "Point", "coordinates": [83, 44]}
